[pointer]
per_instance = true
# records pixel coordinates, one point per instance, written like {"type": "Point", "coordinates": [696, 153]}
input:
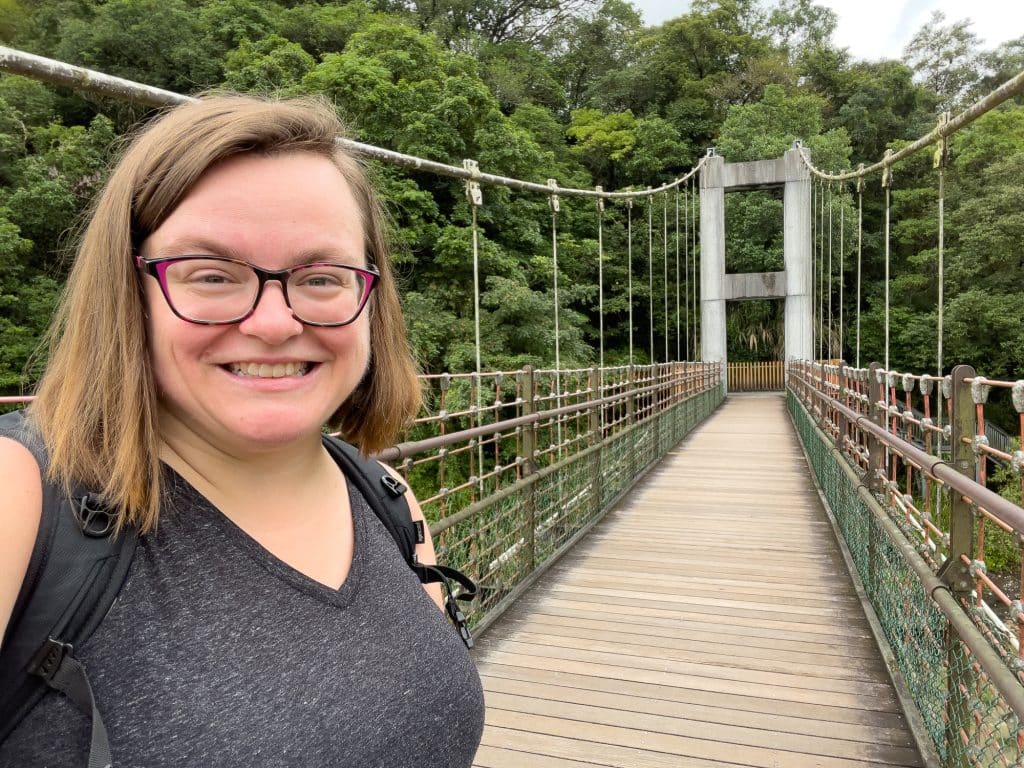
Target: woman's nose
{"type": "Point", "coordinates": [272, 319]}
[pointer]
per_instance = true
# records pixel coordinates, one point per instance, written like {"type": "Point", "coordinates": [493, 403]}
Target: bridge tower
{"type": "Point", "coordinates": [794, 284]}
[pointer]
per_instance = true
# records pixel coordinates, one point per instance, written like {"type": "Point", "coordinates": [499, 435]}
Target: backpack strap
{"type": "Point", "coordinates": [386, 497]}
{"type": "Point", "coordinates": [75, 572]}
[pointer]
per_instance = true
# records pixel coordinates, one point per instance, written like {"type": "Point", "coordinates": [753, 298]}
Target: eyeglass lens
{"type": "Point", "coordinates": [213, 290]}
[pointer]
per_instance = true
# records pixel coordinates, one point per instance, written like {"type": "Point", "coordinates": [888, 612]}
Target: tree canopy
{"type": "Point", "coordinates": [581, 92]}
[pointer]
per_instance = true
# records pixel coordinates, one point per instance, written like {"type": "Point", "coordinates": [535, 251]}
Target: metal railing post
{"type": "Point", "coordinates": [843, 424]}
{"type": "Point", "coordinates": [530, 465]}
{"type": "Point", "coordinates": [656, 412]}
{"type": "Point", "coordinates": [876, 452]}
{"type": "Point", "coordinates": [954, 571]}
{"type": "Point", "coordinates": [961, 518]}
{"type": "Point", "coordinates": [631, 419]}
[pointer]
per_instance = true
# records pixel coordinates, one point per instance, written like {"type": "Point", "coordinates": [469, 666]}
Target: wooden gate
{"type": "Point", "coordinates": [757, 377]}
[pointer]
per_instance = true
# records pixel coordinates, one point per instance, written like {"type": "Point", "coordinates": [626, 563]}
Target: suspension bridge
{"type": "Point", "coordinates": [677, 572]}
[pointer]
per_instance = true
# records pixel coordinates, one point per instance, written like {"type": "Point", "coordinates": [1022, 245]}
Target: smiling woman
{"type": "Point", "coordinates": [232, 294]}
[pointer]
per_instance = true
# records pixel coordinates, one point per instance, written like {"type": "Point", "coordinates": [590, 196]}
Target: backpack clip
{"type": "Point", "coordinates": [96, 520]}
{"type": "Point", "coordinates": [458, 619]}
{"type": "Point", "coordinates": [393, 485]}
{"type": "Point", "coordinates": [49, 658]}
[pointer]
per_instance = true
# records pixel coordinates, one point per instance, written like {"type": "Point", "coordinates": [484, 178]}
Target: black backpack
{"type": "Point", "coordinates": [78, 567]}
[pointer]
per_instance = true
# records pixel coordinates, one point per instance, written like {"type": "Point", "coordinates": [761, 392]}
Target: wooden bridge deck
{"type": "Point", "coordinates": [702, 623]}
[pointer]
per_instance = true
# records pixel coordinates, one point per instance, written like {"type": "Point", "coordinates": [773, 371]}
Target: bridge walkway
{"type": "Point", "coordinates": [708, 620]}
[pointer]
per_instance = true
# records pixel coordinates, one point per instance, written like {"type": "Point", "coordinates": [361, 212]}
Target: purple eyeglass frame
{"type": "Point", "coordinates": [157, 268]}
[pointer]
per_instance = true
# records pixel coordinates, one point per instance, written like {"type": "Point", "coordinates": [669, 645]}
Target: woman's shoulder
{"type": "Point", "coordinates": [21, 502]}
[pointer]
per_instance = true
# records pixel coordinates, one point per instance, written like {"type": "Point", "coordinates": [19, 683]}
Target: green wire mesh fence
{"type": "Point", "coordinates": [963, 683]}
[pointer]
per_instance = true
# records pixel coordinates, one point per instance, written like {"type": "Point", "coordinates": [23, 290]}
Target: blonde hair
{"type": "Point", "coordinates": [96, 404]}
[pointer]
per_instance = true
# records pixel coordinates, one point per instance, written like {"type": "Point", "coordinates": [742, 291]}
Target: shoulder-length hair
{"type": "Point", "coordinates": [96, 404]}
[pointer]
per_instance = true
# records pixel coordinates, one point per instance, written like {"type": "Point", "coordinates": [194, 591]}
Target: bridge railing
{"type": "Point", "coordinates": [512, 468]}
{"type": "Point", "coordinates": [910, 495]}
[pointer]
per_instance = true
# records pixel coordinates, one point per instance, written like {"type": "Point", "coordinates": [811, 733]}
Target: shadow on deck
{"type": "Point", "coordinates": [709, 620]}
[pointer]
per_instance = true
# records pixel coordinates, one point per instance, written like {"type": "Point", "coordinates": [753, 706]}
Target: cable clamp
{"type": "Point", "coordinates": [887, 170]}
{"type": "Point", "coordinates": [473, 193]}
{"type": "Point", "coordinates": [980, 390]}
{"type": "Point", "coordinates": [600, 198]}
{"type": "Point", "coordinates": [942, 144]}
{"type": "Point", "coordinates": [1017, 462]}
{"type": "Point", "coordinates": [553, 197]}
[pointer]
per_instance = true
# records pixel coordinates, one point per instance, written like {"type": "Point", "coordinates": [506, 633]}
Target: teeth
{"type": "Point", "coordinates": [268, 371]}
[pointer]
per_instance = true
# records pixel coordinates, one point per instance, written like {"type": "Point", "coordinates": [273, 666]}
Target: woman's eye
{"type": "Point", "coordinates": [331, 279]}
{"type": "Point", "coordinates": [210, 277]}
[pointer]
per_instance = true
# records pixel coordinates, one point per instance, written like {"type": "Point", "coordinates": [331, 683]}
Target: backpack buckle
{"type": "Point", "coordinates": [95, 519]}
{"type": "Point", "coordinates": [49, 658]}
{"type": "Point", "coordinates": [393, 485]}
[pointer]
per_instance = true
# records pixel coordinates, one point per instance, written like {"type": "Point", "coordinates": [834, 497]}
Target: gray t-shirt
{"type": "Point", "coordinates": [217, 653]}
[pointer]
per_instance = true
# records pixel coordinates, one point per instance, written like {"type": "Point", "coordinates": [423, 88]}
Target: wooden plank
{"type": "Point", "coordinates": [677, 746]}
{"type": "Point", "coordinates": [728, 734]}
{"type": "Point", "coordinates": [703, 623]}
{"type": "Point", "coordinates": [693, 696]}
{"type": "Point", "coordinates": [771, 721]}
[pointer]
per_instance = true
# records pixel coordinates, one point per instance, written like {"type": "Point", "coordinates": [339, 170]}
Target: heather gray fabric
{"type": "Point", "coordinates": [217, 653]}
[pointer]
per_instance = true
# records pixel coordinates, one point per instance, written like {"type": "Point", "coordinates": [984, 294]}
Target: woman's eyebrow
{"type": "Point", "coordinates": [187, 246]}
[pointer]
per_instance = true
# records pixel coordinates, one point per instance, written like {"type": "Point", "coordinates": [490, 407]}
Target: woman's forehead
{"type": "Point", "coordinates": [295, 202]}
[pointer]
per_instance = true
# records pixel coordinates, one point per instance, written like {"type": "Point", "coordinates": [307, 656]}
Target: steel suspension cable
{"type": "Point", "coordinates": [831, 355]}
{"type": "Point", "coordinates": [554, 205]}
{"type": "Point", "coordinates": [1012, 87]}
{"type": "Point", "coordinates": [815, 317]}
{"type": "Point", "coordinates": [650, 271]}
{"type": "Point", "coordinates": [941, 155]}
{"type": "Point", "coordinates": [474, 197]}
{"type": "Point", "coordinates": [91, 81]}
{"type": "Point", "coordinates": [695, 202]}
{"type": "Point", "coordinates": [686, 264]}
{"type": "Point", "coordinates": [860, 246]}
{"type": "Point", "coordinates": [679, 348]}
{"type": "Point", "coordinates": [600, 275]}
{"type": "Point", "coordinates": [887, 184]}
{"type": "Point", "coordinates": [629, 271]}
{"type": "Point", "coordinates": [821, 272]}
{"type": "Point", "coordinates": [842, 274]}
{"type": "Point", "coordinates": [664, 245]}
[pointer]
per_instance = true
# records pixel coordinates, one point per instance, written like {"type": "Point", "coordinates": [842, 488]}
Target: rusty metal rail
{"type": "Point", "coordinates": [912, 499]}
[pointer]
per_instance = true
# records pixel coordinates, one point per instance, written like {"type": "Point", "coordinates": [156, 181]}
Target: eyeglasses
{"type": "Point", "coordinates": [214, 290]}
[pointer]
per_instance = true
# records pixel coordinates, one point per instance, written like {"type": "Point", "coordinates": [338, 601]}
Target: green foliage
{"type": "Point", "coordinates": [271, 64]}
{"type": "Point", "coordinates": [577, 91]}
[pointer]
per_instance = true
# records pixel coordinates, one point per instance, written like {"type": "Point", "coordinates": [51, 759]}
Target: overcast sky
{"type": "Point", "coordinates": [876, 29]}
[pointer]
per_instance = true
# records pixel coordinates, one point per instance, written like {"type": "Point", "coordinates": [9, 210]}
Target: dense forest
{"type": "Point", "coordinates": [579, 91]}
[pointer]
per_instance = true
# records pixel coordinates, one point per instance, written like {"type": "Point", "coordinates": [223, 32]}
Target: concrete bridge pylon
{"type": "Point", "coordinates": [794, 284]}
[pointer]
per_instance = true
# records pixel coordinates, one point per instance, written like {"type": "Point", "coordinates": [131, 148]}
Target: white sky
{"type": "Point", "coordinates": [876, 29]}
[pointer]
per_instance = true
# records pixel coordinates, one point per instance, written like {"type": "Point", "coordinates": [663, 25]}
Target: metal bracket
{"type": "Point", "coordinates": [956, 576]}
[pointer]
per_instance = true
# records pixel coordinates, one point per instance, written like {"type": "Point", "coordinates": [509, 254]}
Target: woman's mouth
{"type": "Point", "coordinates": [269, 370]}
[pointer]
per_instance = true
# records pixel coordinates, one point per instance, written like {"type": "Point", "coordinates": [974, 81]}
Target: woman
{"type": "Point", "coordinates": [232, 294]}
